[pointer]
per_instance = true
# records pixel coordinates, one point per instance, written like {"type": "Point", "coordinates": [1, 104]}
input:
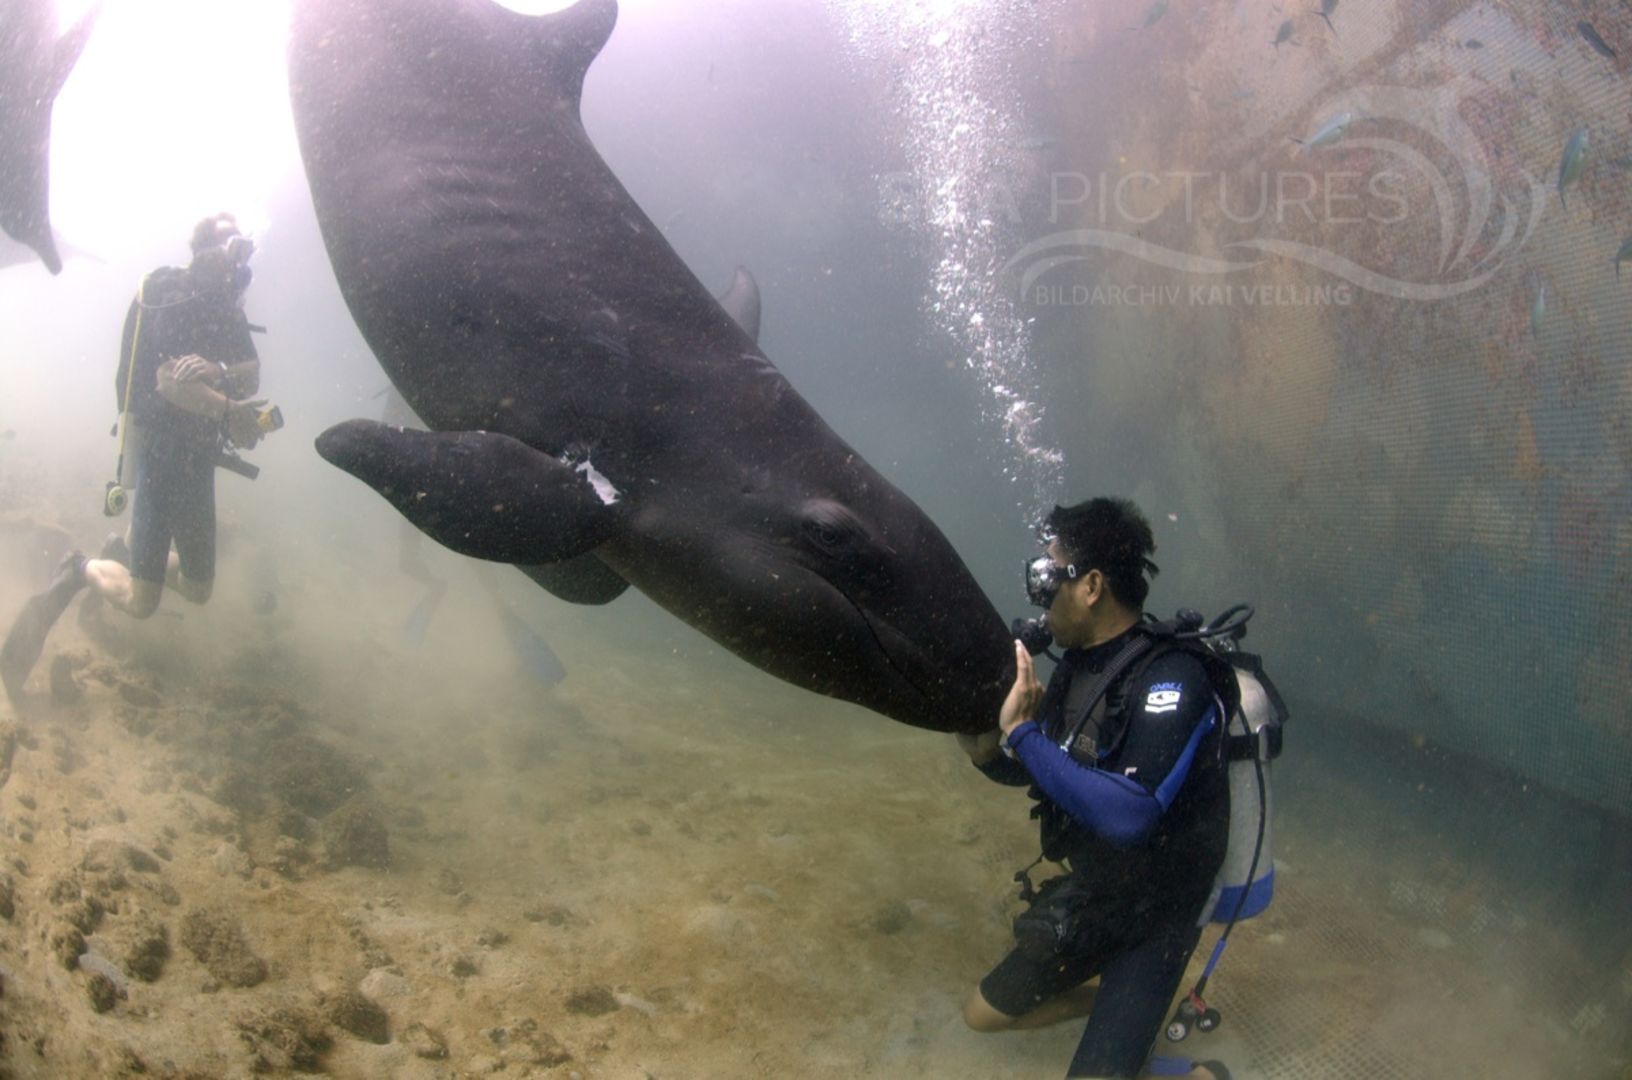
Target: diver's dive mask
{"type": "Point", "coordinates": [240, 249]}
{"type": "Point", "coordinates": [1044, 577]}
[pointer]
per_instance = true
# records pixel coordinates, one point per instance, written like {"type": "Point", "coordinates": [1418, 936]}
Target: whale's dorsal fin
{"type": "Point", "coordinates": [69, 46]}
{"type": "Point", "coordinates": [741, 302]}
{"type": "Point", "coordinates": [562, 44]}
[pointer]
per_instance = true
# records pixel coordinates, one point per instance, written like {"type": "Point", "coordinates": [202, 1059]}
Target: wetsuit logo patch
{"type": "Point", "coordinates": [1163, 698]}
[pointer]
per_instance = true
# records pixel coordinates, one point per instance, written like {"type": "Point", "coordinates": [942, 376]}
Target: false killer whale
{"type": "Point", "coordinates": [34, 63]}
{"type": "Point", "coordinates": [597, 417]}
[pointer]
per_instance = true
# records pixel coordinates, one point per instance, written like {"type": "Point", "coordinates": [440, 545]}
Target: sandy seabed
{"type": "Point", "coordinates": [269, 838]}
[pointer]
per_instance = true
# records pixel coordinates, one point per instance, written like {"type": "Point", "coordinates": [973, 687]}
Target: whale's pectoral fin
{"type": "Point", "coordinates": [583, 580]}
{"type": "Point", "coordinates": [479, 493]}
{"type": "Point", "coordinates": [741, 302]}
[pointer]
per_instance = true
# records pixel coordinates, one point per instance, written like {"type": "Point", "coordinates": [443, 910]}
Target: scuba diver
{"type": "Point", "coordinates": [187, 370]}
{"type": "Point", "coordinates": [1126, 755]}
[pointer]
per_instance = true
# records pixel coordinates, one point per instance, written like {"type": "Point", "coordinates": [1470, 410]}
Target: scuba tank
{"type": "Point", "coordinates": [1246, 881]}
{"type": "Point", "coordinates": [1252, 740]}
{"type": "Point", "coordinates": [117, 494]}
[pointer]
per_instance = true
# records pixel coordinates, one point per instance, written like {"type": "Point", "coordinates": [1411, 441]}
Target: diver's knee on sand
{"type": "Point", "coordinates": [190, 589]}
{"type": "Point", "coordinates": [142, 600]}
{"type": "Point", "coordinates": [196, 592]}
{"type": "Point", "coordinates": [980, 1016]}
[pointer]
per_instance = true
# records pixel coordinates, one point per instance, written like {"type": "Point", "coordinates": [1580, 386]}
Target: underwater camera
{"type": "Point", "coordinates": [269, 420]}
{"type": "Point", "coordinates": [235, 464]}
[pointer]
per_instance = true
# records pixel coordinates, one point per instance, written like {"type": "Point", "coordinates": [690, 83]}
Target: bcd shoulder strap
{"type": "Point", "coordinates": [1076, 718]}
{"type": "Point", "coordinates": [1153, 640]}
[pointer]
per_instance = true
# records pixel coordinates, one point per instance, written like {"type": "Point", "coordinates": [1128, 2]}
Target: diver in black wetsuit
{"type": "Point", "coordinates": [186, 367]}
{"type": "Point", "coordinates": [1124, 754]}
{"type": "Point", "coordinates": [187, 360]}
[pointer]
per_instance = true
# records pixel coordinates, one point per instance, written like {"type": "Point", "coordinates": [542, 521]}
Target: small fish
{"type": "Point", "coordinates": [1325, 12]}
{"type": "Point", "coordinates": [1569, 166]}
{"type": "Point", "coordinates": [1152, 16]}
{"type": "Point", "coordinates": [1538, 307]}
{"type": "Point", "coordinates": [1473, 43]}
{"type": "Point", "coordinates": [1621, 255]}
{"type": "Point", "coordinates": [1283, 34]}
{"type": "Point", "coordinates": [1329, 132]}
{"type": "Point", "coordinates": [1599, 45]}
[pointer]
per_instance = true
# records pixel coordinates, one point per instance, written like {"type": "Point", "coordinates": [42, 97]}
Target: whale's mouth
{"type": "Point", "coordinates": [944, 689]}
{"type": "Point", "coordinates": [916, 680]}
{"type": "Point", "coordinates": [885, 671]}
{"type": "Point", "coordinates": [902, 676]}
{"type": "Point", "coordinates": [910, 663]}
{"type": "Point", "coordinates": [931, 689]}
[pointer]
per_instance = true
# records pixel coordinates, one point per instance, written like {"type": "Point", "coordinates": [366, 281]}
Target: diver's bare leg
{"type": "Point", "coordinates": [1074, 1004]}
{"type": "Point", "coordinates": [195, 592]}
{"type": "Point", "coordinates": [114, 583]}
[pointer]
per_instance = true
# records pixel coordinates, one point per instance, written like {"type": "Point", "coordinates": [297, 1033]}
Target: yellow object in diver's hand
{"type": "Point", "coordinates": [269, 420]}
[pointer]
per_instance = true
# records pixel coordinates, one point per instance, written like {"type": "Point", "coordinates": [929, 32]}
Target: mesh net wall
{"type": "Point", "coordinates": [1376, 380]}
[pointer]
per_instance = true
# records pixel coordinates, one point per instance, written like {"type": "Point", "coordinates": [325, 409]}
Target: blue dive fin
{"type": "Point", "coordinates": [419, 619]}
{"type": "Point", "coordinates": [532, 650]}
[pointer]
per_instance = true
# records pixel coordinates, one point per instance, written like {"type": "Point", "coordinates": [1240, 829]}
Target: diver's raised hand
{"type": "Point", "coordinates": [1024, 695]}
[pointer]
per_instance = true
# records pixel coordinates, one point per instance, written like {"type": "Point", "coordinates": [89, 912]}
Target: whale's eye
{"type": "Point", "coordinates": [844, 549]}
{"type": "Point", "coordinates": [831, 528]}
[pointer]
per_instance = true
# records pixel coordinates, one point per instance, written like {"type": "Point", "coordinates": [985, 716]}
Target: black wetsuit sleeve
{"type": "Point", "coordinates": [235, 345]}
{"type": "Point", "coordinates": [245, 345]}
{"type": "Point", "coordinates": [1171, 699]}
{"type": "Point", "coordinates": [1003, 769]}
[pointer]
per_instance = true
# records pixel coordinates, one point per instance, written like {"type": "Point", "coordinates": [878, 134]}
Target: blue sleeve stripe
{"type": "Point", "coordinates": [1169, 788]}
{"type": "Point", "coordinates": [1113, 806]}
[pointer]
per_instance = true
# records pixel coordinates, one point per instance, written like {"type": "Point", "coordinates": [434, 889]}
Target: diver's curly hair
{"type": "Point", "coordinates": [1111, 536]}
{"type": "Point", "coordinates": [213, 231]}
